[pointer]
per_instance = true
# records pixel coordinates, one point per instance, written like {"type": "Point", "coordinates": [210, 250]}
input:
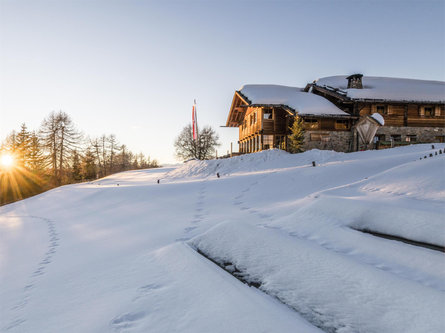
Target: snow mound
{"type": "Point", "coordinates": [332, 291]}
{"type": "Point", "coordinates": [266, 160]}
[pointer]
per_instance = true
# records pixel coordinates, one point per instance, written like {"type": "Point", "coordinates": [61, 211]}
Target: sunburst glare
{"type": "Point", "coordinates": [7, 160]}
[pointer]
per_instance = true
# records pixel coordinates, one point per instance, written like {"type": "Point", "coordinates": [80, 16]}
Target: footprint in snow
{"type": "Point", "coordinates": [146, 290]}
{"type": "Point", "coordinates": [40, 270]}
{"type": "Point", "coordinates": [15, 323]}
{"type": "Point", "coordinates": [127, 320]}
{"type": "Point", "coordinates": [182, 239]}
{"type": "Point", "coordinates": [188, 229]}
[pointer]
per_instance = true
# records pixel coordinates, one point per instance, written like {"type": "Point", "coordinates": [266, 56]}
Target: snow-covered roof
{"type": "Point", "coordinates": [391, 89]}
{"type": "Point", "coordinates": [299, 101]}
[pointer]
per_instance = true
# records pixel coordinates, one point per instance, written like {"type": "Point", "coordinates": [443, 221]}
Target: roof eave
{"type": "Point", "coordinates": [243, 99]}
{"type": "Point", "coordinates": [381, 100]}
{"type": "Point", "coordinates": [347, 116]}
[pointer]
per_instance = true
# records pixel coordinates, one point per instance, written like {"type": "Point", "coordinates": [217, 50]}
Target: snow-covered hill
{"type": "Point", "coordinates": [126, 254]}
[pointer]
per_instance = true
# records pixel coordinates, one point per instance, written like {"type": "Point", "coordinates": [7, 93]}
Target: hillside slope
{"type": "Point", "coordinates": [120, 253]}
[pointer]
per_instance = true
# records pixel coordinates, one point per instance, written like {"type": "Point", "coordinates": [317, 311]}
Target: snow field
{"type": "Point", "coordinates": [112, 255]}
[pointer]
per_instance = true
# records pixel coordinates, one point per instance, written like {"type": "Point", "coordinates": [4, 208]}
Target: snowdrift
{"type": "Point", "coordinates": [331, 290]}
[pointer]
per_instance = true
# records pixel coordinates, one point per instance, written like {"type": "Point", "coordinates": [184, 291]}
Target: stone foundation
{"type": "Point", "coordinates": [328, 140]}
{"type": "Point", "coordinates": [344, 141]}
{"type": "Point", "coordinates": [423, 134]}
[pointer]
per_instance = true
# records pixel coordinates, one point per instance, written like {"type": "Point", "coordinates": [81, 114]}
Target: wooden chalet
{"type": "Point", "coordinates": [264, 114]}
{"type": "Point", "coordinates": [413, 110]}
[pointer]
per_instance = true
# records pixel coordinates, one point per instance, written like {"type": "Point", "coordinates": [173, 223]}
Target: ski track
{"type": "Point", "coordinates": [53, 242]}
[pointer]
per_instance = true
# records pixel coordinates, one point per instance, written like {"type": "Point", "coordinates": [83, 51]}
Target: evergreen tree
{"type": "Point", "coordinates": [124, 158]}
{"type": "Point", "coordinates": [113, 147]}
{"type": "Point", "coordinates": [22, 149]}
{"type": "Point", "coordinates": [76, 172]}
{"type": "Point", "coordinates": [53, 158]}
{"type": "Point", "coordinates": [10, 143]}
{"type": "Point", "coordinates": [36, 158]}
{"type": "Point", "coordinates": [296, 137]}
{"type": "Point", "coordinates": [89, 165]}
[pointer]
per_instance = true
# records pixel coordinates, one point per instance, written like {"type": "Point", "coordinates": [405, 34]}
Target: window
{"type": "Point", "coordinates": [320, 137]}
{"type": "Point", "coordinates": [310, 123]}
{"type": "Point", "coordinates": [342, 124]}
{"type": "Point", "coordinates": [267, 141]}
{"type": "Point", "coordinates": [381, 137]}
{"type": "Point", "coordinates": [429, 111]}
{"type": "Point", "coordinates": [411, 138]}
{"type": "Point", "coordinates": [381, 109]}
{"type": "Point", "coordinates": [254, 117]}
{"type": "Point", "coordinates": [267, 114]}
{"type": "Point", "coordinates": [396, 137]}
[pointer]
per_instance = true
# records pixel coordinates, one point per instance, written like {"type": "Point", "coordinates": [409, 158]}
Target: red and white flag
{"type": "Point", "coordinates": [194, 122]}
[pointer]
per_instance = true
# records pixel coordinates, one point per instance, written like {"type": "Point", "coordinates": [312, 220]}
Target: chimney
{"type": "Point", "coordinates": [355, 81]}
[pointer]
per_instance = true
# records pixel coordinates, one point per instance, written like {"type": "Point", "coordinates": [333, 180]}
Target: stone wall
{"type": "Point", "coordinates": [423, 134]}
{"type": "Point", "coordinates": [344, 141]}
{"type": "Point", "coordinates": [328, 140]}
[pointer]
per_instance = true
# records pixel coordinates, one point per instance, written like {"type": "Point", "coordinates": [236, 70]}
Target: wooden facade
{"type": "Point", "coordinates": [405, 121]}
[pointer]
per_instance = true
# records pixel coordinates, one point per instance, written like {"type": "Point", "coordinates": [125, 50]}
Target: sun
{"type": "Point", "coordinates": [7, 160]}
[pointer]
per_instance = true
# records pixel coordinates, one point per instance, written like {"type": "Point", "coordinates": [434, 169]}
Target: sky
{"type": "Point", "coordinates": [133, 68]}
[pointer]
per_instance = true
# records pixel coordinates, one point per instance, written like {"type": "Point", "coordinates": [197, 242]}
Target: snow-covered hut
{"type": "Point", "coordinates": [264, 114]}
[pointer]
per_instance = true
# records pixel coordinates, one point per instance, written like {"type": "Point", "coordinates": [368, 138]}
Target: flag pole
{"type": "Point", "coordinates": [196, 121]}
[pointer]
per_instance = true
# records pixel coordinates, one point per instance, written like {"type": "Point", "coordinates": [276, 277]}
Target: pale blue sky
{"type": "Point", "coordinates": [133, 68]}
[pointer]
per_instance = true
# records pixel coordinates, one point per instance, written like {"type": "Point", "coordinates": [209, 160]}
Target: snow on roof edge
{"type": "Point", "coordinates": [294, 98]}
{"type": "Point", "coordinates": [388, 89]}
